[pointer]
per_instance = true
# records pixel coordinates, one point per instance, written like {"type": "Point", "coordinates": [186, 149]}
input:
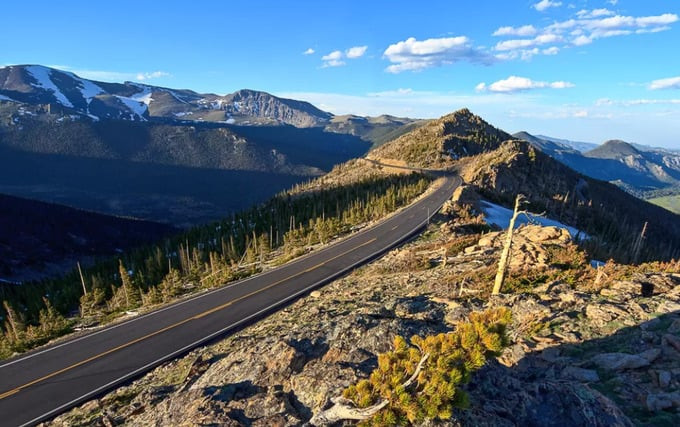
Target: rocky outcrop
{"type": "Point", "coordinates": [566, 365]}
{"type": "Point", "coordinates": [530, 245]}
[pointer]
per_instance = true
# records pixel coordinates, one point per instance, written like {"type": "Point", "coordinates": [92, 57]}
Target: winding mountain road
{"type": "Point", "coordinates": [38, 386]}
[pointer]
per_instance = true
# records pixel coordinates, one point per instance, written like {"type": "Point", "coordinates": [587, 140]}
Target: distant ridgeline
{"type": "Point", "coordinates": [113, 147]}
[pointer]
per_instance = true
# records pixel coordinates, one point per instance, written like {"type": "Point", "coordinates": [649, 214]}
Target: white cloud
{"type": "Point", "coordinates": [580, 114]}
{"type": "Point", "coordinates": [356, 52]}
{"type": "Point", "coordinates": [528, 43]}
{"type": "Point", "coordinates": [595, 13]}
{"type": "Point", "coordinates": [309, 51]}
{"type": "Point", "coordinates": [589, 26]}
{"type": "Point", "coordinates": [551, 51]}
{"type": "Point", "coordinates": [333, 59]}
{"type": "Point", "coordinates": [581, 41]}
{"type": "Point", "coordinates": [414, 55]}
{"type": "Point", "coordinates": [523, 31]}
{"type": "Point", "coordinates": [111, 76]}
{"type": "Point", "coordinates": [613, 2]}
{"type": "Point", "coordinates": [480, 87]}
{"type": "Point", "coordinates": [546, 4]}
{"type": "Point", "coordinates": [669, 83]}
{"type": "Point", "coordinates": [151, 75]}
{"type": "Point", "coordinates": [518, 84]}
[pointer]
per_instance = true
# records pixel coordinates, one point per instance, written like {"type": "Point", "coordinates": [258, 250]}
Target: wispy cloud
{"type": "Point", "coordinates": [668, 83]}
{"type": "Point", "coordinates": [356, 52]}
{"type": "Point", "coordinates": [523, 31]}
{"type": "Point", "coordinates": [546, 4]}
{"type": "Point", "coordinates": [595, 13]}
{"type": "Point", "coordinates": [520, 84]}
{"type": "Point", "coordinates": [415, 55]}
{"type": "Point", "coordinates": [584, 29]}
{"type": "Point", "coordinates": [635, 102]}
{"type": "Point", "coordinates": [402, 102]}
{"type": "Point", "coordinates": [309, 51]}
{"type": "Point", "coordinates": [112, 76]}
{"type": "Point", "coordinates": [333, 59]}
{"type": "Point", "coordinates": [152, 75]}
{"type": "Point", "coordinates": [516, 44]}
{"type": "Point", "coordinates": [336, 58]}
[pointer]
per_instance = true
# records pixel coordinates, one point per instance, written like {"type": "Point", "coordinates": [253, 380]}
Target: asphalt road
{"type": "Point", "coordinates": [38, 386]}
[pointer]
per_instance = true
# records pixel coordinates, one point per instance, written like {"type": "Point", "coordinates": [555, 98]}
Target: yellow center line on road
{"type": "Point", "coordinates": [167, 328]}
{"type": "Point", "coordinates": [395, 227]}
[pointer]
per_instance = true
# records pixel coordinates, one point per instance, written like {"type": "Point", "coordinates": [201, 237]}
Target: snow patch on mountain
{"type": "Point", "coordinates": [42, 76]}
{"type": "Point", "coordinates": [137, 107]}
{"type": "Point", "coordinates": [88, 89]}
{"type": "Point", "coordinates": [500, 216]}
{"type": "Point", "coordinates": [6, 98]}
{"type": "Point", "coordinates": [144, 96]}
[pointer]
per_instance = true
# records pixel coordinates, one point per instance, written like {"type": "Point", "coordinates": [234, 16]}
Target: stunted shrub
{"type": "Point", "coordinates": [440, 364]}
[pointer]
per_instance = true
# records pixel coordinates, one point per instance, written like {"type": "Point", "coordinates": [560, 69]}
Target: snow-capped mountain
{"type": "Point", "coordinates": [64, 92]}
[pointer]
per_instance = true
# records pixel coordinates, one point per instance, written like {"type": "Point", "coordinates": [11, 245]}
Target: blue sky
{"type": "Point", "coordinates": [587, 70]}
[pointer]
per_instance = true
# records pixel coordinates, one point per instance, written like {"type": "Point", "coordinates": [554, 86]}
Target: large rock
{"type": "Point", "coordinates": [624, 361]}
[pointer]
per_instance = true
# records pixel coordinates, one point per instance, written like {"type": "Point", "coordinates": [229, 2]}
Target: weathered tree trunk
{"type": "Point", "coordinates": [638, 244]}
{"type": "Point", "coordinates": [345, 409]}
{"type": "Point", "coordinates": [503, 262]}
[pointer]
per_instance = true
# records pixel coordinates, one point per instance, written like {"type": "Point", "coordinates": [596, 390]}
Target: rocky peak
{"type": "Point", "coordinates": [438, 142]}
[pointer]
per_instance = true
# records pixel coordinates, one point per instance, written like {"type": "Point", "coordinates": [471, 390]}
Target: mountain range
{"type": "Point", "coordinates": [639, 170]}
{"type": "Point", "coordinates": [168, 155]}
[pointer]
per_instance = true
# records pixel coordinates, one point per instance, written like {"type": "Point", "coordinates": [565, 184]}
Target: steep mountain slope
{"type": "Point", "coordinates": [501, 167]}
{"type": "Point", "coordinates": [636, 171]}
{"type": "Point", "coordinates": [439, 142]}
{"type": "Point", "coordinates": [41, 239]}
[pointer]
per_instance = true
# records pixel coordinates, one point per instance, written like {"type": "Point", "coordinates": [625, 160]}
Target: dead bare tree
{"type": "Point", "coordinates": [505, 255]}
{"type": "Point", "coordinates": [638, 243]}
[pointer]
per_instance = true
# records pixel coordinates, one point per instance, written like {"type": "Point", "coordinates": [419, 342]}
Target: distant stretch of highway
{"type": "Point", "coordinates": [40, 385]}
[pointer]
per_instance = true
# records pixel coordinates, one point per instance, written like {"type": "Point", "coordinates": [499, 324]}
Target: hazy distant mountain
{"type": "Point", "coordinates": [613, 149]}
{"type": "Point", "coordinates": [576, 145]}
{"type": "Point", "coordinates": [378, 129]}
{"type": "Point", "coordinates": [616, 161]}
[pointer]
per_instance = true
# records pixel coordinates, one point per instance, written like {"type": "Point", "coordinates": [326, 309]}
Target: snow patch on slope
{"type": "Point", "coordinates": [144, 96]}
{"type": "Point", "coordinates": [42, 76]}
{"type": "Point", "coordinates": [89, 89]}
{"type": "Point", "coordinates": [500, 216]}
{"type": "Point", "coordinates": [6, 98]}
{"type": "Point", "coordinates": [137, 107]}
